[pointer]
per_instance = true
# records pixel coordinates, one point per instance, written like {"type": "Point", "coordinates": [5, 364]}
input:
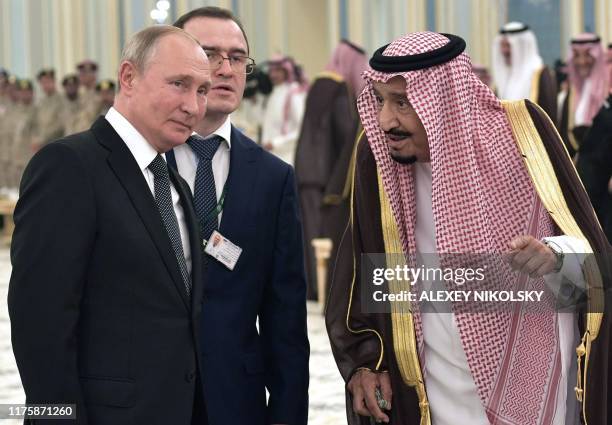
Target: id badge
{"type": "Point", "coordinates": [222, 250]}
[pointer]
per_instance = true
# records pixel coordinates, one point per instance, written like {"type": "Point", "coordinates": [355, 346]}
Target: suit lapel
{"type": "Point", "coordinates": [126, 169]}
{"type": "Point", "coordinates": [240, 184]}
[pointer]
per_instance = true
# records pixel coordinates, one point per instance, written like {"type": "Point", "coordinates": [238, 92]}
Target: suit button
{"type": "Point", "coordinates": [190, 376]}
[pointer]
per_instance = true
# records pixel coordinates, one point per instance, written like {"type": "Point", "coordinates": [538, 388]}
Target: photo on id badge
{"type": "Point", "coordinates": [222, 250]}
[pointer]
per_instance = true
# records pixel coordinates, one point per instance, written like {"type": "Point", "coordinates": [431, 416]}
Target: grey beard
{"type": "Point", "coordinates": [406, 160]}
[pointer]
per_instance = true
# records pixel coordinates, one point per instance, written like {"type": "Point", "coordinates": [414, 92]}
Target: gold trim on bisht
{"type": "Point", "coordinates": [351, 171]}
{"type": "Point", "coordinates": [350, 302]}
{"type": "Point", "coordinates": [545, 181]}
{"type": "Point", "coordinates": [337, 199]}
{"type": "Point", "coordinates": [535, 85]}
{"type": "Point", "coordinates": [404, 338]}
{"type": "Point", "coordinates": [331, 75]}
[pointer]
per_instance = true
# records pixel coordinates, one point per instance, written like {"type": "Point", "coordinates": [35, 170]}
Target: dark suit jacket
{"type": "Point", "coordinates": [261, 216]}
{"type": "Point", "coordinates": [595, 165]}
{"type": "Point", "coordinates": [99, 312]}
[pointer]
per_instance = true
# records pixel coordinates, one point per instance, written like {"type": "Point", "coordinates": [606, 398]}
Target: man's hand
{"type": "Point", "coordinates": [362, 386]}
{"type": "Point", "coordinates": [530, 256]}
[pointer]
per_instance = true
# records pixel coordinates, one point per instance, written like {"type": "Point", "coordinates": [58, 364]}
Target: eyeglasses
{"type": "Point", "coordinates": [238, 63]}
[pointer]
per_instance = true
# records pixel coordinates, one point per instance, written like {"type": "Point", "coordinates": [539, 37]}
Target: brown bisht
{"type": "Point", "coordinates": [323, 154]}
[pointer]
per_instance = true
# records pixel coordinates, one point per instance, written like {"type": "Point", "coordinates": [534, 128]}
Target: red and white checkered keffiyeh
{"type": "Point", "coordinates": [482, 198]}
{"type": "Point", "coordinates": [598, 89]}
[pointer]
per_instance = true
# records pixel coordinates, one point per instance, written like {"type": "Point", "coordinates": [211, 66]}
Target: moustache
{"type": "Point", "coordinates": [398, 133]}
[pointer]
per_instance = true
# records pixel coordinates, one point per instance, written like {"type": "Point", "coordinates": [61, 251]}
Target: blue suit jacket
{"type": "Point", "coordinates": [261, 216]}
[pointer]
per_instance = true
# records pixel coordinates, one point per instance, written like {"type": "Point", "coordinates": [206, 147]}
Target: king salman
{"type": "Point", "coordinates": [445, 167]}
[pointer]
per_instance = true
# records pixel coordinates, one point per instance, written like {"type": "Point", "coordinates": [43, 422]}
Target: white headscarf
{"type": "Point", "coordinates": [514, 82]}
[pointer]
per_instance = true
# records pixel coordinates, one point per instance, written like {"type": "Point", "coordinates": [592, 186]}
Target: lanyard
{"type": "Point", "coordinates": [214, 213]}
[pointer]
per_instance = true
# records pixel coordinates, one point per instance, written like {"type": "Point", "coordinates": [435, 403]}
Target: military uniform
{"type": "Point", "coordinates": [21, 144]}
{"type": "Point", "coordinates": [88, 99]}
{"type": "Point", "coordinates": [70, 116]}
{"type": "Point", "coordinates": [89, 106]}
{"type": "Point", "coordinates": [8, 116]}
{"type": "Point", "coordinates": [5, 104]}
{"type": "Point", "coordinates": [105, 91]}
{"type": "Point", "coordinates": [7, 126]}
{"type": "Point", "coordinates": [48, 124]}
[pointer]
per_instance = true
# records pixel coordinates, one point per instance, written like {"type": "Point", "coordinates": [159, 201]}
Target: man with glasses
{"type": "Point", "coordinates": [247, 197]}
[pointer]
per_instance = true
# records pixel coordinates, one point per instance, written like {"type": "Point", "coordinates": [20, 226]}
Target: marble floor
{"type": "Point", "coordinates": [326, 386]}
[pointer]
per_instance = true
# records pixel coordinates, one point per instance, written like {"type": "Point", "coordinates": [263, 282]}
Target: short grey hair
{"type": "Point", "coordinates": [141, 46]}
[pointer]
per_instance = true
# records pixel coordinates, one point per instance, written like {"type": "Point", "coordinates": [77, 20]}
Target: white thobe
{"type": "Point", "coordinates": [582, 109]}
{"type": "Point", "coordinates": [281, 129]}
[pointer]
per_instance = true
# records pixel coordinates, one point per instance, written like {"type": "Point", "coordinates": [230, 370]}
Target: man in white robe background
{"type": "Point", "coordinates": [519, 71]}
{"type": "Point", "coordinates": [284, 109]}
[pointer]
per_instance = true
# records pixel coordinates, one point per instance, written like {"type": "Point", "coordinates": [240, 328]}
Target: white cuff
{"type": "Point", "coordinates": [565, 281]}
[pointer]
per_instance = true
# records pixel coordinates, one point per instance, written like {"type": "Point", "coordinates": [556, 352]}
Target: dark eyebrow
{"type": "Point", "coordinates": [401, 96]}
{"type": "Point", "coordinates": [394, 95]}
{"type": "Point", "coordinates": [179, 77]}
{"type": "Point", "coordinates": [232, 51]}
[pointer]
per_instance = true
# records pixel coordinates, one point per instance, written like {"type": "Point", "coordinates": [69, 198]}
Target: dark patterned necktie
{"type": "Point", "coordinates": [205, 194]}
{"type": "Point", "coordinates": [163, 199]}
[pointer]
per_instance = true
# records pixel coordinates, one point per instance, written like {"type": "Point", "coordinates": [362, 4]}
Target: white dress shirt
{"type": "Point", "coordinates": [144, 154]}
{"type": "Point", "coordinates": [187, 160]}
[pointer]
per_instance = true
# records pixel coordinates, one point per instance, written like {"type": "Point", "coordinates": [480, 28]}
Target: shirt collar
{"type": "Point", "coordinates": [224, 132]}
{"type": "Point", "coordinates": [142, 151]}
